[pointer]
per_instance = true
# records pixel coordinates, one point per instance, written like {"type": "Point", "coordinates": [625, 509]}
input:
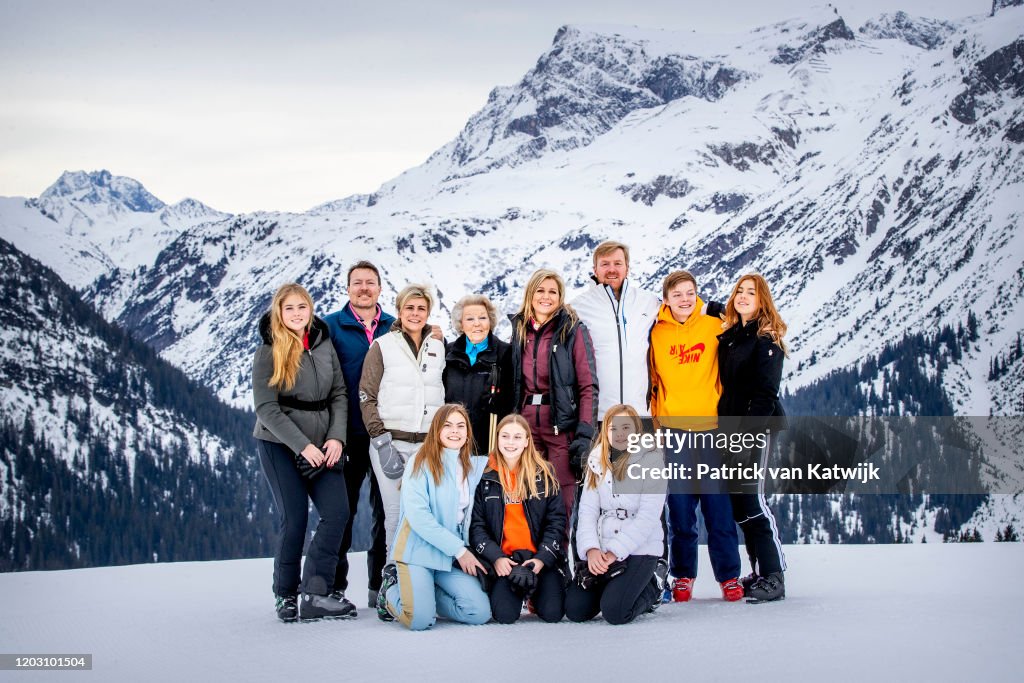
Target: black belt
{"type": "Point", "coordinates": [296, 404]}
{"type": "Point", "coordinates": [410, 437]}
{"type": "Point", "coordinates": [537, 400]}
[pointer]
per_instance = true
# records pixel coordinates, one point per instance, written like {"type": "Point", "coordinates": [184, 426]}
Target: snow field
{"type": "Point", "coordinates": [912, 612]}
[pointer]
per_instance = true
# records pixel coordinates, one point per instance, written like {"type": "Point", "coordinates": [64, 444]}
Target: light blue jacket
{"type": "Point", "coordinates": [428, 535]}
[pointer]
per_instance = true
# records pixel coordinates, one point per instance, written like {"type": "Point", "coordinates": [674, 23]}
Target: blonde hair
{"type": "Point", "coordinates": [429, 455]}
{"type": "Point", "coordinates": [473, 300]}
{"type": "Point", "coordinates": [526, 310]}
{"type": "Point", "coordinates": [608, 247]}
{"type": "Point", "coordinates": [769, 322]}
{"type": "Point", "coordinates": [618, 470]}
{"type": "Point", "coordinates": [531, 462]}
{"type": "Point", "coordinates": [286, 344]}
{"type": "Point", "coordinates": [409, 292]}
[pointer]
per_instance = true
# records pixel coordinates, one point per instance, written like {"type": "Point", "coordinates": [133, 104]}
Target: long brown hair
{"type": "Point", "coordinates": [769, 322]}
{"type": "Point", "coordinates": [430, 454]}
{"type": "Point", "coordinates": [526, 309]}
{"type": "Point", "coordinates": [618, 470]}
{"type": "Point", "coordinates": [531, 462]}
{"type": "Point", "coordinates": [286, 344]}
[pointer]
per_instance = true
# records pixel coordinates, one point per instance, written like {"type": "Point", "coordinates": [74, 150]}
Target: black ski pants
{"type": "Point", "coordinates": [548, 599]}
{"type": "Point", "coordinates": [619, 600]}
{"type": "Point", "coordinates": [760, 530]}
{"type": "Point", "coordinates": [292, 493]}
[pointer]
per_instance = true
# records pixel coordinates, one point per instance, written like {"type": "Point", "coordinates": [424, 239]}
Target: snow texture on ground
{"type": "Point", "coordinates": [896, 612]}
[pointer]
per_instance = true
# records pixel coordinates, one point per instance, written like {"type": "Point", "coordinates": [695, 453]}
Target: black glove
{"type": "Point", "coordinates": [486, 578]}
{"type": "Point", "coordinates": [523, 580]}
{"type": "Point", "coordinates": [579, 451]}
{"type": "Point", "coordinates": [583, 577]}
{"type": "Point", "coordinates": [310, 472]}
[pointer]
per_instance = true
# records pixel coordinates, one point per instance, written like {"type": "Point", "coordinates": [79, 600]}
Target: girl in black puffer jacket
{"type": "Point", "coordinates": [750, 356]}
{"type": "Point", "coordinates": [519, 527]}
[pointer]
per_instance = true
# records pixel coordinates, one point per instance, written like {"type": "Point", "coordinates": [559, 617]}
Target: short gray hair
{"type": "Point", "coordinates": [473, 300]}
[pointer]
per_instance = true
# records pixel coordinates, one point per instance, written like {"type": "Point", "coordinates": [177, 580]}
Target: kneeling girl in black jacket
{"type": "Point", "coordinates": [519, 527]}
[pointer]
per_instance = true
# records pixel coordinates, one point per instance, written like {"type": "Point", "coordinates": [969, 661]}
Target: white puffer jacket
{"type": "Point", "coordinates": [624, 516]}
{"type": "Point", "coordinates": [411, 389]}
{"type": "Point", "coordinates": [619, 330]}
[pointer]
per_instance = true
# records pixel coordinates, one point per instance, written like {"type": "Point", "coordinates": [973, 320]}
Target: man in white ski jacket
{"type": "Point", "coordinates": [619, 316]}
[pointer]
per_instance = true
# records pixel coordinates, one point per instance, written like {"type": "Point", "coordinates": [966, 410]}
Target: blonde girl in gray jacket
{"type": "Point", "coordinates": [301, 406]}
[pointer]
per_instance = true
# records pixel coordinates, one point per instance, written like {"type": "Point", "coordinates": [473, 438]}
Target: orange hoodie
{"type": "Point", "coordinates": [684, 370]}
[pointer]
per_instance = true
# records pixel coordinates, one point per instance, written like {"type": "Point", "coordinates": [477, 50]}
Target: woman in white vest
{"type": "Point", "coordinates": [399, 392]}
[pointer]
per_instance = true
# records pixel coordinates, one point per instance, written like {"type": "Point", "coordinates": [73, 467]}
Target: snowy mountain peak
{"type": "Point", "coordinates": [191, 211]}
{"type": "Point", "coordinates": [101, 187]}
{"type": "Point", "coordinates": [831, 31]}
{"type": "Point", "coordinates": [590, 79]}
{"type": "Point", "coordinates": [917, 31]}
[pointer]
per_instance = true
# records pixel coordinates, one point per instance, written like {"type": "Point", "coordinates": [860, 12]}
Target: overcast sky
{"type": "Point", "coordinates": [273, 105]}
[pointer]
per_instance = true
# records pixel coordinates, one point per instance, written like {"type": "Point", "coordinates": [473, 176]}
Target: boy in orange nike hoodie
{"type": "Point", "coordinates": [685, 389]}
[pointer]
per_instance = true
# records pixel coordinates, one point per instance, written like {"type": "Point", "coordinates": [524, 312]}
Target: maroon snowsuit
{"type": "Point", "coordinates": [556, 386]}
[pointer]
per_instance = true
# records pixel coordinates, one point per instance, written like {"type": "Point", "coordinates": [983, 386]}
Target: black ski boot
{"type": "Point", "coordinates": [313, 607]}
{"type": "Point", "coordinates": [389, 576]}
{"type": "Point", "coordinates": [748, 581]}
{"type": "Point", "coordinates": [767, 589]}
{"type": "Point", "coordinates": [340, 597]}
{"type": "Point", "coordinates": [287, 608]}
{"type": "Point", "coordinates": [659, 581]}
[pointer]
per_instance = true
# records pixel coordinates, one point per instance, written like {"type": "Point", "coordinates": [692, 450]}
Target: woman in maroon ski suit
{"type": "Point", "coordinates": [555, 378]}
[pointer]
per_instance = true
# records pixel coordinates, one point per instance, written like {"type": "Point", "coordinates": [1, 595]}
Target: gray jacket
{"type": "Point", "coordinates": [319, 378]}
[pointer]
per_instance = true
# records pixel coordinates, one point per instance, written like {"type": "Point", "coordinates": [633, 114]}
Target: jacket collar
{"type": "Point", "coordinates": [594, 459]}
{"type": "Point", "coordinates": [610, 293]}
{"type": "Point", "coordinates": [557, 321]}
{"type": "Point", "coordinates": [457, 350]}
{"type": "Point", "coordinates": [741, 330]}
{"type": "Point", "coordinates": [348, 319]}
{"type": "Point", "coordinates": [665, 314]}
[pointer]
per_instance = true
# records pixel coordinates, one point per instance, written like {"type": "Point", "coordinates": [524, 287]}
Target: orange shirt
{"type": "Point", "coordinates": [516, 533]}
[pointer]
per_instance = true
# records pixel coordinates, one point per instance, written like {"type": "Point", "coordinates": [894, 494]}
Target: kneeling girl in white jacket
{"type": "Point", "coordinates": [619, 530]}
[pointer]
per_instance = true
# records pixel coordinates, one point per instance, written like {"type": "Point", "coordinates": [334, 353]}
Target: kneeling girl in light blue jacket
{"type": "Point", "coordinates": [433, 572]}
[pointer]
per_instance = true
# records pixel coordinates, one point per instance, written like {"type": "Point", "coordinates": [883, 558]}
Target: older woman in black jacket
{"type": "Point", "coordinates": [478, 367]}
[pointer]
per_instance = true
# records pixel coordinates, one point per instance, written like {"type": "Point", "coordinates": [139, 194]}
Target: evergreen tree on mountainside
{"type": "Point", "coordinates": [903, 379]}
{"type": "Point", "coordinates": [129, 493]}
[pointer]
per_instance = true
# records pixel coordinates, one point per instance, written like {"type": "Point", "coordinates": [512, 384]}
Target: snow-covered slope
{"type": "Point", "coordinates": [851, 614]}
{"type": "Point", "coordinates": [105, 447]}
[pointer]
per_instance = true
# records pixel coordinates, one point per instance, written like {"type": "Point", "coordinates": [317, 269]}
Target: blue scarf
{"type": "Point", "coordinates": [472, 350]}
